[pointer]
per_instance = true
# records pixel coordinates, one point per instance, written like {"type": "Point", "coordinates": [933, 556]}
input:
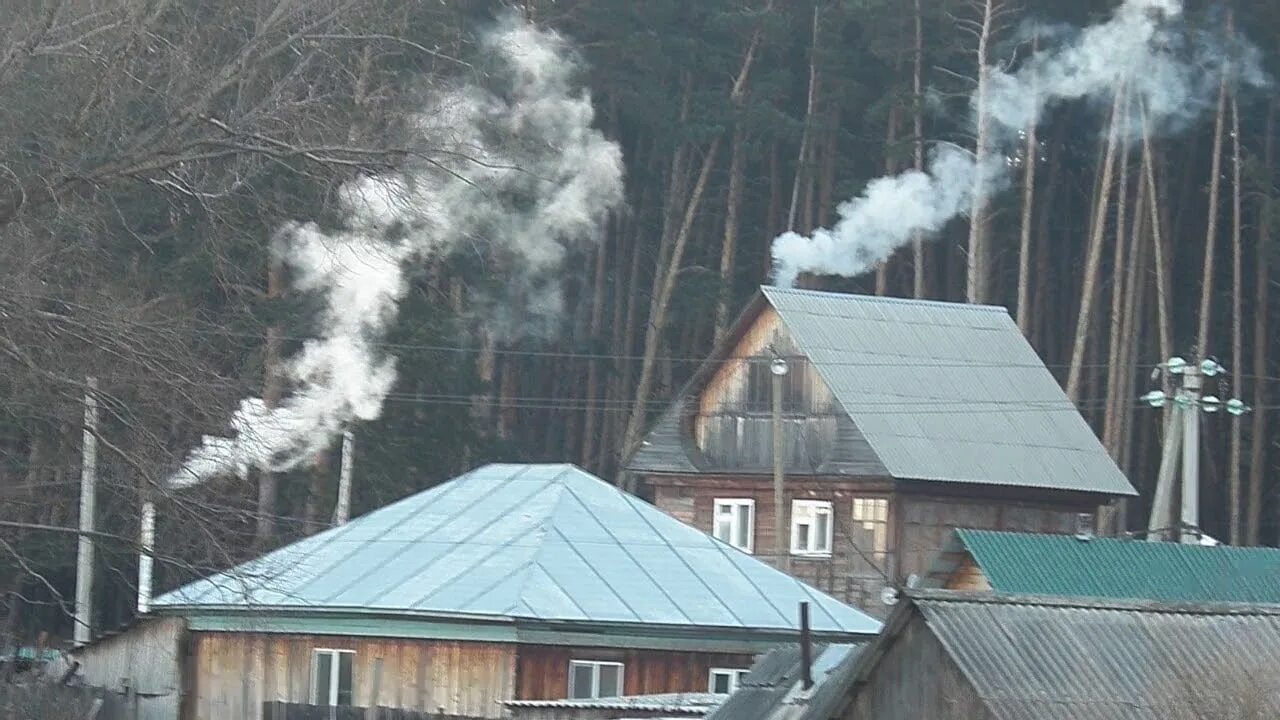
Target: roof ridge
{"type": "Point", "coordinates": [860, 297]}
{"type": "Point", "coordinates": [928, 596]}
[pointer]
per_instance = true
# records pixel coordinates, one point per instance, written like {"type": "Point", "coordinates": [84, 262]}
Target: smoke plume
{"type": "Point", "coordinates": [1170, 73]}
{"type": "Point", "coordinates": [522, 172]}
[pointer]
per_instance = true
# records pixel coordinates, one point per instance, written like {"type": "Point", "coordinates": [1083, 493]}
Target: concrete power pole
{"type": "Point", "coordinates": [88, 481]}
{"type": "Point", "coordinates": [1183, 434]}
{"type": "Point", "coordinates": [780, 546]}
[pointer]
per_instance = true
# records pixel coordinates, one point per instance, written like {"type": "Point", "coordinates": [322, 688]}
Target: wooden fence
{"type": "Point", "coordinates": [299, 711]}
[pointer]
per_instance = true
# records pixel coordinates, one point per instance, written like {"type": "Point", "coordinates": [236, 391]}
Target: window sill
{"type": "Point", "coordinates": [811, 555]}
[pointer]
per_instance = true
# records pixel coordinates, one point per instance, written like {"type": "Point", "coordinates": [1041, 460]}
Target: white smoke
{"type": "Point", "coordinates": [524, 173]}
{"type": "Point", "coordinates": [1143, 45]}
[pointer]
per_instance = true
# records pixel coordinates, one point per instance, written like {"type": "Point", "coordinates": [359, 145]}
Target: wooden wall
{"type": "Point", "coordinates": [234, 673]}
{"type": "Point", "coordinates": [148, 657]}
{"type": "Point", "coordinates": [543, 670]}
{"type": "Point", "coordinates": [915, 679]}
{"type": "Point", "coordinates": [967, 576]}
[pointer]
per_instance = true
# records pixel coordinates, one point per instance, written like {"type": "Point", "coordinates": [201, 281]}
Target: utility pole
{"type": "Point", "coordinates": [780, 547]}
{"type": "Point", "coordinates": [342, 510]}
{"type": "Point", "coordinates": [88, 479]}
{"type": "Point", "coordinates": [1183, 433]}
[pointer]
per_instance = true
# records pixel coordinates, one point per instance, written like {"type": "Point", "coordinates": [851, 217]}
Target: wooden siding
{"type": "Point", "coordinates": [733, 426]}
{"type": "Point", "coordinates": [543, 670]}
{"type": "Point", "coordinates": [148, 658]}
{"type": "Point", "coordinates": [925, 522]}
{"type": "Point", "coordinates": [234, 673]}
{"type": "Point", "coordinates": [855, 571]}
{"type": "Point", "coordinates": [915, 678]}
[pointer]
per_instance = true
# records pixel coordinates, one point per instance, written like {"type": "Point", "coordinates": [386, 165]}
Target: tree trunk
{"type": "Point", "coordinates": [1164, 293]}
{"type": "Point", "coordinates": [920, 288]}
{"type": "Point", "coordinates": [590, 419]}
{"type": "Point", "coordinates": [1111, 419]}
{"type": "Point", "coordinates": [1235, 531]}
{"type": "Point", "coordinates": [271, 390]}
{"type": "Point", "coordinates": [977, 279]}
{"type": "Point", "coordinates": [1030, 157]}
{"type": "Point", "coordinates": [806, 139]}
{"type": "Point", "coordinates": [1211, 235]}
{"type": "Point", "coordinates": [1261, 337]}
{"type": "Point", "coordinates": [826, 188]}
{"type": "Point", "coordinates": [1094, 254]}
{"type": "Point", "coordinates": [733, 201]}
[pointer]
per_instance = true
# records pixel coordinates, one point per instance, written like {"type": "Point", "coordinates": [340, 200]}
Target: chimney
{"type": "Point", "coordinates": [806, 661]}
{"type": "Point", "coordinates": [1084, 527]}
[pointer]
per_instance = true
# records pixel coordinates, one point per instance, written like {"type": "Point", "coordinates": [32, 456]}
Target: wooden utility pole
{"type": "Point", "coordinates": [780, 548]}
{"type": "Point", "coordinates": [88, 479]}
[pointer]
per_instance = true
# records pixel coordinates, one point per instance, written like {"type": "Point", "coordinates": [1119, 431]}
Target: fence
{"type": "Point", "coordinates": [298, 711]}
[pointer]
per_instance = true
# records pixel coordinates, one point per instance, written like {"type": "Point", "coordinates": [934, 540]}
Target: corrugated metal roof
{"type": "Point", "coordinates": [1039, 659]}
{"type": "Point", "coordinates": [772, 690]}
{"type": "Point", "coordinates": [524, 542]}
{"type": "Point", "coordinates": [947, 391]}
{"type": "Point", "coordinates": [677, 703]}
{"type": "Point", "coordinates": [1027, 563]}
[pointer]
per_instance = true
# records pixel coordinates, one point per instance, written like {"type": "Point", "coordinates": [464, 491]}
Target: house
{"type": "Point", "coordinates": [775, 687]}
{"type": "Point", "coordinates": [530, 582]}
{"type": "Point", "coordinates": [946, 655]}
{"type": "Point", "coordinates": [1089, 566]}
{"type": "Point", "coordinates": [902, 419]}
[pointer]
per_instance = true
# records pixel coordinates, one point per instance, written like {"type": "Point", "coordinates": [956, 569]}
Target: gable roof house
{"type": "Point", "coordinates": [511, 582]}
{"type": "Point", "coordinates": [902, 419]}
{"type": "Point", "coordinates": [1090, 566]}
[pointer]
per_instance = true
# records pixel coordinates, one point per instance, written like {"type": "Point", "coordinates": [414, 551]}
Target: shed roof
{"type": "Point", "coordinates": [546, 543]}
{"type": "Point", "coordinates": [773, 690]}
{"type": "Point", "coordinates": [944, 392]}
{"type": "Point", "coordinates": [698, 704]}
{"type": "Point", "coordinates": [1028, 563]}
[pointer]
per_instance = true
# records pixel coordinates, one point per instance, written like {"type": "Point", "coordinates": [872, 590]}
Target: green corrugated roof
{"type": "Point", "coordinates": [1031, 564]}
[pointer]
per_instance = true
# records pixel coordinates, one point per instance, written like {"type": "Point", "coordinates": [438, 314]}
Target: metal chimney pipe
{"type": "Point", "coordinates": [147, 540]}
{"type": "Point", "coordinates": [806, 650]}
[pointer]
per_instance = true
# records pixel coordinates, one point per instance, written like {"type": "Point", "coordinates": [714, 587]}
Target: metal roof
{"type": "Point", "coordinates": [1034, 564]}
{"type": "Point", "coordinates": [939, 391]}
{"type": "Point", "coordinates": [772, 690]}
{"type": "Point", "coordinates": [1041, 659]}
{"type": "Point", "coordinates": [523, 543]}
{"type": "Point", "coordinates": [675, 703]}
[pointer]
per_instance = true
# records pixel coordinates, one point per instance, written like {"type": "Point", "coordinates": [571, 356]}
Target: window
{"type": "Point", "coordinates": [735, 522]}
{"type": "Point", "coordinates": [810, 527]}
{"type": "Point", "coordinates": [593, 679]}
{"type": "Point", "coordinates": [871, 524]}
{"type": "Point", "coordinates": [725, 680]}
{"type": "Point", "coordinates": [331, 677]}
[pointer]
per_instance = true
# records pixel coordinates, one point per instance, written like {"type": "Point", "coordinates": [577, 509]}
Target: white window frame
{"type": "Point", "coordinates": [335, 666]}
{"type": "Point", "coordinates": [735, 678]}
{"type": "Point", "coordinates": [812, 509]}
{"type": "Point", "coordinates": [733, 524]}
{"type": "Point", "coordinates": [595, 666]}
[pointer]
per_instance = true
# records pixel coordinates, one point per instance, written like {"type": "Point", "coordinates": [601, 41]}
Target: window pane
{"type": "Point", "coordinates": [719, 682]}
{"type": "Point", "coordinates": [802, 536]}
{"type": "Point", "coordinates": [322, 663]}
{"type": "Point", "coordinates": [610, 681]}
{"type": "Point", "coordinates": [580, 677]}
{"type": "Point", "coordinates": [344, 678]}
{"type": "Point", "coordinates": [821, 539]}
{"type": "Point", "coordinates": [744, 526]}
{"type": "Point", "coordinates": [724, 530]}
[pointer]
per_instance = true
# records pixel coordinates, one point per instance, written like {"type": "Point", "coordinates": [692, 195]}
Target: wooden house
{"type": "Point", "coordinates": [509, 582]}
{"type": "Point", "coordinates": [1089, 566]}
{"type": "Point", "coordinates": [901, 420]}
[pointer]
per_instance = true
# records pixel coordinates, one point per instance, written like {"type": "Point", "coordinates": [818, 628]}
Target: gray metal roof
{"type": "Point", "coordinates": [698, 704]}
{"type": "Point", "coordinates": [773, 690]}
{"type": "Point", "coordinates": [523, 542]}
{"type": "Point", "coordinates": [1046, 659]}
{"type": "Point", "coordinates": [939, 391]}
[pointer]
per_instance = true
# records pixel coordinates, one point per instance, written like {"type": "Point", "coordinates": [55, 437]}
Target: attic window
{"type": "Point", "coordinates": [735, 522]}
{"type": "Point", "coordinates": [589, 679]}
{"type": "Point", "coordinates": [811, 527]}
{"type": "Point", "coordinates": [725, 680]}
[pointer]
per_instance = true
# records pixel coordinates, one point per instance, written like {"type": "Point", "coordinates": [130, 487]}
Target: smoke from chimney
{"type": "Point", "coordinates": [523, 172]}
{"type": "Point", "coordinates": [1168, 70]}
